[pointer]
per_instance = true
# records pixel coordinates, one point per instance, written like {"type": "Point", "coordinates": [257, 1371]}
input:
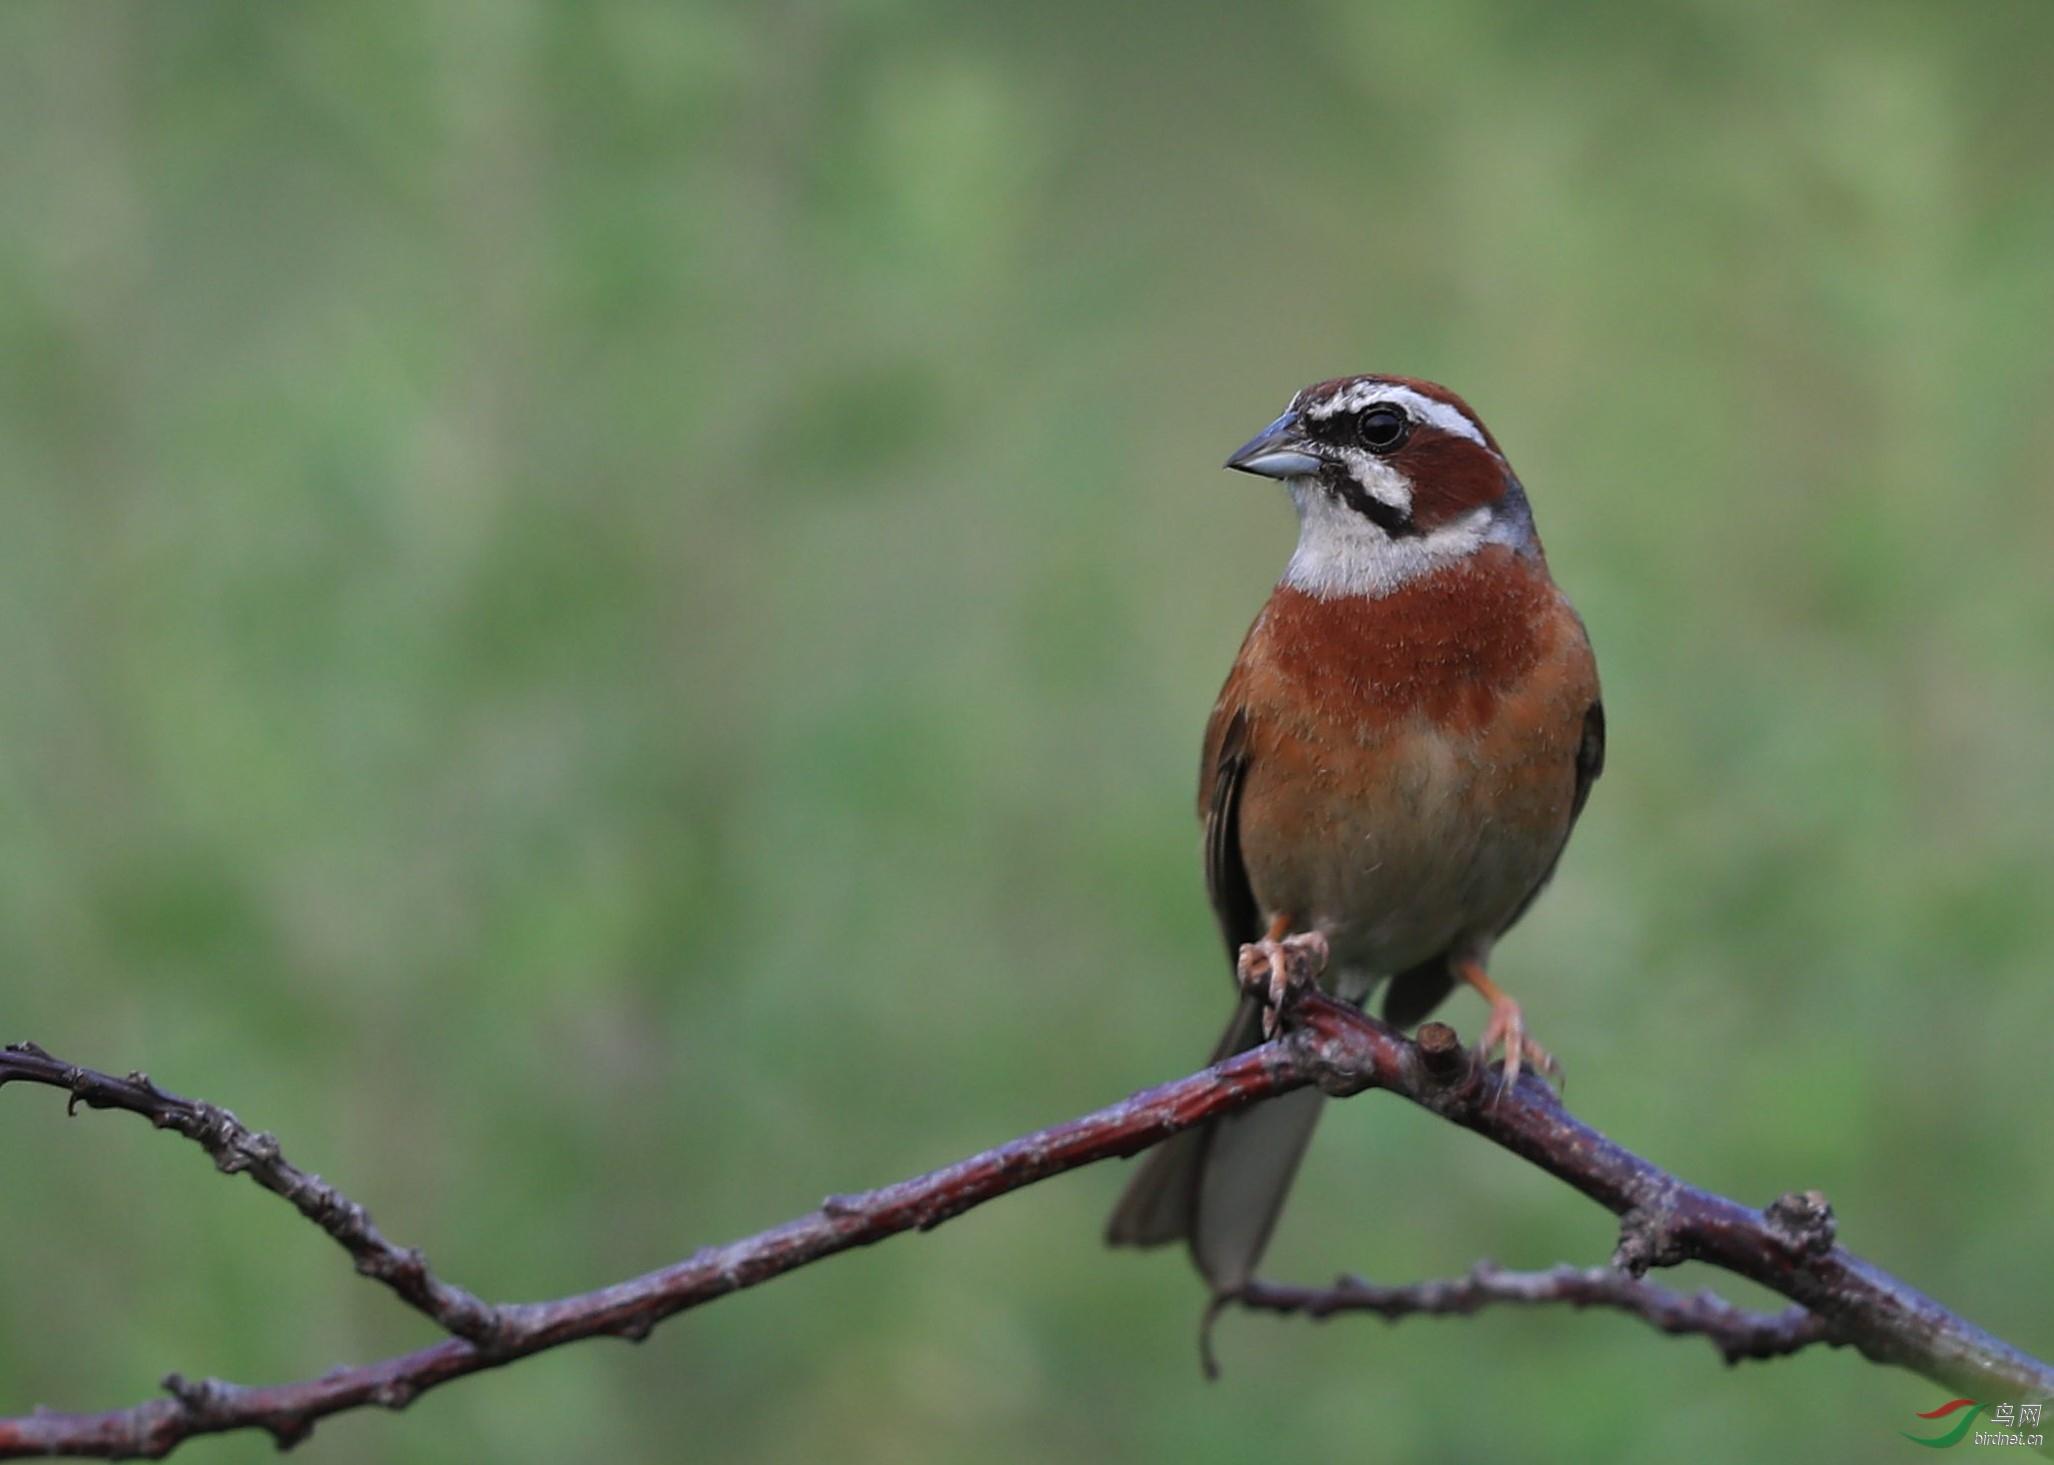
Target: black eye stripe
{"type": "Point", "coordinates": [1393, 521]}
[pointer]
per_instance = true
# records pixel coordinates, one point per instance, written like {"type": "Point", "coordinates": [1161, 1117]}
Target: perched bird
{"type": "Point", "coordinates": [1392, 769]}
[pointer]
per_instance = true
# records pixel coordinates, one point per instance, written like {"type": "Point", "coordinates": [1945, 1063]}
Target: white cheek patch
{"type": "Point", "coordinates": [1340, 553]}
{"type": "Point", "coordinates": [1358, 395]}
{"type": "Point", "coordinates": [1378, 478]}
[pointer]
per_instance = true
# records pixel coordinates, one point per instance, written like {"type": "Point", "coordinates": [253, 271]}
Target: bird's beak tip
{"type": "Point", "coordinates": [1275, 452]}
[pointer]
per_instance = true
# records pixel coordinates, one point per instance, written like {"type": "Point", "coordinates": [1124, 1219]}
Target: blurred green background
{"type": "Point", "coordinates": [607, 610]}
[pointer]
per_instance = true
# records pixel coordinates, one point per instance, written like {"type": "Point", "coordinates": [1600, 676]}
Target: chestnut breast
{"type": "Point", "coordinates": [1411, 757]}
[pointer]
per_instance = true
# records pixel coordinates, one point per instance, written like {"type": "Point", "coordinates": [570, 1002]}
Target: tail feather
{"type": "Point", "coordinates": [1220, 1187]}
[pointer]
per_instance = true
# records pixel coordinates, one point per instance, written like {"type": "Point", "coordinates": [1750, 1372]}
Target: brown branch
{"type": "Point", "coordinates": [238, 1150]}
{"type": "Point", "coordinates": [1789, 1247]}
{"type": "Point", "coordinates": [1735, 1331]}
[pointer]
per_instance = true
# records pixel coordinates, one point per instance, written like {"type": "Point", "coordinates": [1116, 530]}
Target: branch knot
{"type": "Point", "coordinates": [1647, 1238]}
{"type": "Point", "coordinates": [1441, 1055]}
{"type": "Point", "coordinates": [1339, 1069]}
{"type": "Point", "coordinates": [1803, 1220]}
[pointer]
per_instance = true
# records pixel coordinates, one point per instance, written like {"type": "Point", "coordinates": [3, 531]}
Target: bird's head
{"type": "Point", "coordinates": [1392, 477]}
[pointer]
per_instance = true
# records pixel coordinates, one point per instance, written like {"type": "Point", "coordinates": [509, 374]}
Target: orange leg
{"type": "Point", "coordinates": [1507, 1026]}
{"type": "Point", "coordinates": [1276, 966]}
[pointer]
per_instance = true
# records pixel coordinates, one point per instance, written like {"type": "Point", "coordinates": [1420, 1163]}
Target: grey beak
{"type": "Point", "coordinates": [1278, 451]}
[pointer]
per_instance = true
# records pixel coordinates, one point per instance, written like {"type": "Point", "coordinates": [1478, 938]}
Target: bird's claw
{"type": "Point", "coordinates": [1507, 1029]}
{"type": "Point", "coordinates": [1277, 970]}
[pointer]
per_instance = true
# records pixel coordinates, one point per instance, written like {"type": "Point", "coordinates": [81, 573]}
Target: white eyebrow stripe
{"type": "Point", "coordinates": [1358, 395]}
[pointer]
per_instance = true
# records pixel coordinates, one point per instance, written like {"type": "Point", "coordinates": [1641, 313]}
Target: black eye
{"type": "Point", "coordinates": [1382, 428]}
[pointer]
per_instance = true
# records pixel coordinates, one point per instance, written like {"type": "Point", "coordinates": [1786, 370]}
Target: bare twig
{"type": "Point", "coordinates": [1789, 1247]}
{"type": "Point", "coordinates": [1736, 1332]}
{"type": "Point", "coordinates": [237, 1150]}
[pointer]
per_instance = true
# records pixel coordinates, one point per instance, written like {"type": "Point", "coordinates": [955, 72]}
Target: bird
{"type": "Point", "coordinates": [1389, 776]}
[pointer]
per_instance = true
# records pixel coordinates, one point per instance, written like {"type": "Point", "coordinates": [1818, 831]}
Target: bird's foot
{"type": "Point", "coordinates": [1279, 967]}
{"type": "Point", "coordinates": [1507, 1029]}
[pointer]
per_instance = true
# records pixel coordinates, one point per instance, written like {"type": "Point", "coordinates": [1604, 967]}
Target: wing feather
{"type": "Point", "coordinates": [1226, 876]}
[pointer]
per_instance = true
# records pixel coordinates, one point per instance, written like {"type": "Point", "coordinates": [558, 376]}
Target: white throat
{"type": "Point", "coordinates": [1342, 553]}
